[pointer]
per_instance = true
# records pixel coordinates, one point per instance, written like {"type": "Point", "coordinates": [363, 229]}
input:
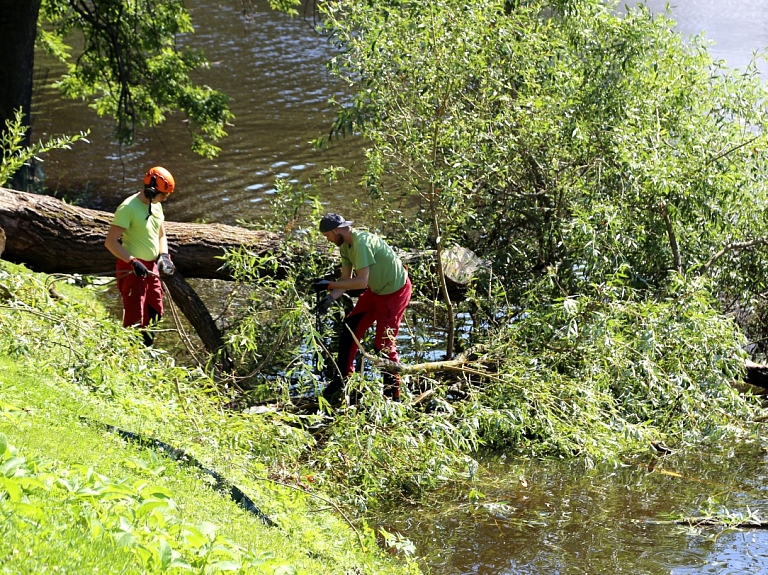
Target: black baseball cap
{"type": "Point", "coordinates": [332, 221]}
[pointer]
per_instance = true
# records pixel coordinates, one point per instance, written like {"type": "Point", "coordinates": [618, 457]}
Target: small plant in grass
{"type": "Point", "coordinates": [135, 516]}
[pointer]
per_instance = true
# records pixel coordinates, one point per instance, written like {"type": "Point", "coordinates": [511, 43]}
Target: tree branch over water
{"type": "Point", "coordinates": [732, 247]}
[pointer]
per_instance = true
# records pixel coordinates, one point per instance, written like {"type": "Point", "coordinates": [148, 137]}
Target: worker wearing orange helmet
{"type": "Point", "coordinates": [137, 239]}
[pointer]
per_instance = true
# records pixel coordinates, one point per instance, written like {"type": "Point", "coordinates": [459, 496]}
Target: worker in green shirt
{"type": "Point", "coordinates": [367, 263]}
{"type": "Point", "coordinates": [137, 239]}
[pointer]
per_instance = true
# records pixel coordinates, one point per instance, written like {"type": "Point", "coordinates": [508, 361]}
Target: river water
{"type": "Point", "coordinates": [555, 517]}
{"type": "Point", "coordinates": [534, 518]}
{"type": "Point", "coordinates": [273, 68]}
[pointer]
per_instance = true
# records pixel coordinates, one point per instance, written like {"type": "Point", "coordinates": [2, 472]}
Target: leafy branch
{"type": "Point", "coordinates": [16, 155]}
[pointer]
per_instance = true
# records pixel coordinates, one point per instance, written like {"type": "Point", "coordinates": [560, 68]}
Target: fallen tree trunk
{"type": "Point", "coordinates": [51, 236]}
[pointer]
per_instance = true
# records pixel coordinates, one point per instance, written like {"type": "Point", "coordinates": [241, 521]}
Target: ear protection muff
{"type": "Point", "coordinates": [150, 190]}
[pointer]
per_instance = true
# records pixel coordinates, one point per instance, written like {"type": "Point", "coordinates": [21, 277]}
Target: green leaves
{"type": "Point", "coordinates": [133, 68]}
{"type": "Point", "coordinates": [590, 140]}
{"type": "Point", "coordinates": [138, 517]}
{"type": "Point", "coordinates": [15, 155]}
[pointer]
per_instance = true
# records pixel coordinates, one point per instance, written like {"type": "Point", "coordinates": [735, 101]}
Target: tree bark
{"type": "Point", "coordinates": [757, 375]}
{"type": "Point", "coordinates": [51, 236]}
{"type": "Point", "coordinates": [196, 312]}
{"type": "Point", "coordinates": [18, 28]}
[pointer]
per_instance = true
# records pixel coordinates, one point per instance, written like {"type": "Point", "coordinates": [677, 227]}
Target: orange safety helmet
{"type": "Point", "coordinates": [160, 179]}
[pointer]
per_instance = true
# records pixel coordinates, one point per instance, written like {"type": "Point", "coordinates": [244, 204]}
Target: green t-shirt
{"type": "Point", "coordinates": [386, 273]}
{"type": "Point", "coordinates": [141, 236]}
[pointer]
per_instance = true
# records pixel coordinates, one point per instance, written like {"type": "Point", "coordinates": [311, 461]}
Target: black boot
{"type": "Point", "coordinates": [392, 386]}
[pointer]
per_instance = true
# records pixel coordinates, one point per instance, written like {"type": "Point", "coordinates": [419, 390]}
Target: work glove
{"type": "Point", "coordinates": [324, 304]}
{"type": "Point", "coordinates": [321, 285]}
{"type": "Point", "coordinates": [139, 268]}
{"type": "Point", "coordinates": [165, 265]}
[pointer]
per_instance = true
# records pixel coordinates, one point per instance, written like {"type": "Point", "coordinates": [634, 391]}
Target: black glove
{"type": "Point", "coordinates": [139, 268]}
{"type": "Point", "coordinates": [165, 265]}
{"type": "Point", "coordinates": [321, 285]}
{"type": "Point", "coordinates": [324, 304]}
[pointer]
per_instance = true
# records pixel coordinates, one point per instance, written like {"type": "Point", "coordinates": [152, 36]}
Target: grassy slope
{"type": "Point", "coordinates": [52, 529]}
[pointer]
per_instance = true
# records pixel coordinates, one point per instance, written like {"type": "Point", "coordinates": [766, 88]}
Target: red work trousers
{"type": "Point", "coordinates": [142, 297]}
{"type": "Point", "coordinates": [387, 312]}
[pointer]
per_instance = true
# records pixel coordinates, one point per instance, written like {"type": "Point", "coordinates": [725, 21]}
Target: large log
{"type": "Point", "coordinates": [51, 236]}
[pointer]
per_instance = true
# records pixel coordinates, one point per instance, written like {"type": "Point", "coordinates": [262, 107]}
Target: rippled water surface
{"type": "Point", "coordinates": [544, 518]}
{"type": "Point", "coordinates": [273, 68]}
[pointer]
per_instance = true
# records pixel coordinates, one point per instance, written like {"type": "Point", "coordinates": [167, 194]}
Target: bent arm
{"type": "Point", "coordinates": [349, 282]}
{"type": "Point", "coordinates": [113, 243]}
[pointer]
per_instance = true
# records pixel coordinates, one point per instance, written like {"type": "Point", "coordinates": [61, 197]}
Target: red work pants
{"type": "Point", "coordinates": [142, 297]}
{"type": "Point", "coordinates": [387, 312]}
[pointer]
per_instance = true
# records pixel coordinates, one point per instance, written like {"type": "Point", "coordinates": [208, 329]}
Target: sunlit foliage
{"type": "Point", "coordinates": [133, 65]}
{"type": "Point", "coordinates": [563, 136]}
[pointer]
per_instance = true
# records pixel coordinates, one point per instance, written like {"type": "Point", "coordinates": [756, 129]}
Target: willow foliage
{"type": "Point", "coordinates": [133, 65]}
{"type": "Point", "coordinates": [561, 135]}
{"type": "Point", "coordinates": [606, 173]}
{"type": "Point", "coordinates": [609, 175]}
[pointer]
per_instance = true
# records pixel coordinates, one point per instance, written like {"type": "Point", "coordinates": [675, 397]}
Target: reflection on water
{"type": "Point", "coordinates": [545, 517]}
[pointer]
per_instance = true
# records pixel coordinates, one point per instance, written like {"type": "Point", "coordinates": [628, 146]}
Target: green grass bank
{"type": "Point", "coordinates": [76, 497]}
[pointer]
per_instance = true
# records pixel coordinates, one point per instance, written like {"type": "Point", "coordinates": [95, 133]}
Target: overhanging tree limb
{"type": "Point", "coordinates": [731, 247]}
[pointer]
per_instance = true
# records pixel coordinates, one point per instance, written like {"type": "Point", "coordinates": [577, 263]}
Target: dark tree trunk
{"type": "Point", "coordinates": [50, 236]}
{"type": "Point", "coordinates": [757, 375]}
{"type": "Point", "coordinates": [18, 27]}
{"type": "Point", "coordinates": [195, 311]}
{"type": "Point", "coordinates": [53, 237]}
